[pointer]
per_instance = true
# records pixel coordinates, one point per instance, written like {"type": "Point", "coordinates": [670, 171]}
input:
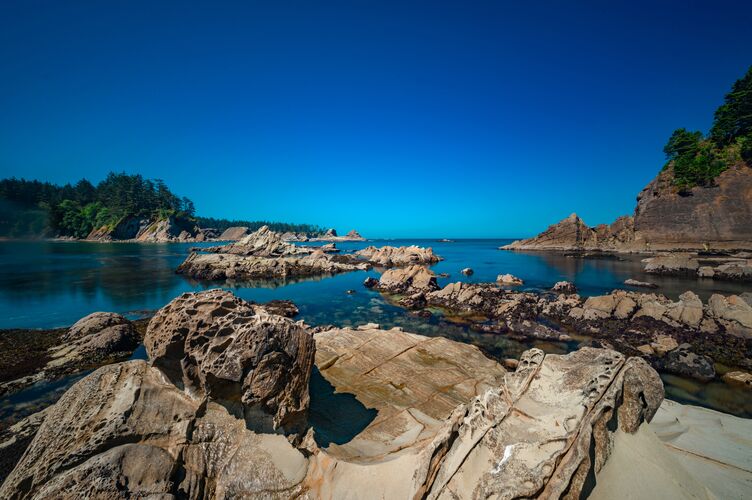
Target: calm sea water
{"type": "Point", "coordinates": [52, 284]}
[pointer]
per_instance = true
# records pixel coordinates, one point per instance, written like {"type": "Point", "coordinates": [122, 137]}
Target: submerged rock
{"type": "Point", "coordinates": [640, 284]}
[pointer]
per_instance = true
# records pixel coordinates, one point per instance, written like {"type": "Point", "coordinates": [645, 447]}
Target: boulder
{"type": "Point", "coordinates": [739, 379]}
{"type": "Point", "coordinates": [564, 287]}
{"type": "Point", "coordinates": [388, 256]}
{"type": "Point", "coordinates": [682, 361]}
{"type": "Point", "coordinates": [408, 280]}
{"type": "Point", "coordinates": [508, 279]}
{"type": "Point", "coordinates": [370, 282]}
{"type": "Point", "coordinates": [219, 346]}
{"type": "Point", "coordinates": [731, 309]}
{"type": "Point", "coordinates": [467, 271]}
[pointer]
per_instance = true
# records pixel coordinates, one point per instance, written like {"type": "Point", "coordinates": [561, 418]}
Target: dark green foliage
{"type": "Point", "coordinates": [697, 161]}
{"type": "Point", "coordinates": [282, 227]}
{"type": "Point", "coordinates": [39, 209]}
{"type": "Point", "coordinates": [733, 118]}
{"type": "Point", "coordinates": [682, 143]}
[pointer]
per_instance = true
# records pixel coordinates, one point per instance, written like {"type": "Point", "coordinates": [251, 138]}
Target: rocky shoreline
{"type": "Point", "coordinates": [225, 377]}
{"type": "Point", "coordinates": [684, 337]}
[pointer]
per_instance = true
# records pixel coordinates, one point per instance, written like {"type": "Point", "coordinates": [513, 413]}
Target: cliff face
{"type": "Point", "coordinates": [147, 230]}
{"type": "Point", "coordinates": [717, 217]}
{"type": "Point", "coordinates": [720, 216]}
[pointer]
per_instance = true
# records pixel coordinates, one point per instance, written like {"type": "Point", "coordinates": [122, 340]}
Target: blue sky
{"type": "Point", "coordinates": [400, 119]}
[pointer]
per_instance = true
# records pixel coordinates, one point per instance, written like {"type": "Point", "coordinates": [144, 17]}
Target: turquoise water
{"type": "Point", "coordinates": [52, 284]}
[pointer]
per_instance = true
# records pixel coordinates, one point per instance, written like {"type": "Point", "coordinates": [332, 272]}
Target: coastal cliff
{"type": "Point", "coordinates": [713, 217]}
{"type": "Point", "coordinates": [700, 200]}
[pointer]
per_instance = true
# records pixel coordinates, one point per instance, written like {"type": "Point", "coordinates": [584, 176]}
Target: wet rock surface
{"type": "Point", "coordinates": [99, 338]}
{"type": "Point", "coordinates": [636, 324]}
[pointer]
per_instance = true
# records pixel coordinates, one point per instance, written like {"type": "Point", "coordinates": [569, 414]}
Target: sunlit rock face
{"type": "Point", "coordinates": [203, 417]}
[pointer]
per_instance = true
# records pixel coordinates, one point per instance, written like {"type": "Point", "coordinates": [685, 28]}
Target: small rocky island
{"type": "Point", "coordinates": [265, 254]}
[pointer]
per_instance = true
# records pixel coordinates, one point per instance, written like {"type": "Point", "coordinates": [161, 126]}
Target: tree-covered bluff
{"type": "Point", "coordinates": [697, 160]}
{"type": "Point", "coordinates": [33, 209]}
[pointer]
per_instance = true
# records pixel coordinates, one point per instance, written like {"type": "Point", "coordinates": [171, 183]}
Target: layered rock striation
{"type": "Point", "coordinates": [450, 422]}
{"type": "Point", "coordinates": [665, 218]}
{"type": "Point", "coordinates": [389, 256]}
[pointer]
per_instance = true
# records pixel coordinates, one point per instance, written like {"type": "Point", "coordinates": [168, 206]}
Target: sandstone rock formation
{"type": "Point", "coordinates": [264, 255]}
{"type": "Point", "coordinates": [388, 256]}
{"type": "Point", "coordinates": [450, 422]}
{"type": "Point", "coordinates": [573, 234]}
{"type": "Point", "coordinates": [152, 231]}
{"type": "Point", "coordinates": [704, 218]}
{"type": "Point", "coordinates": [635, 324]}
{"type": "Point", "coordinates": [508, 279]}
{"type": "Point", "coordinates": [331, 235]}
{"type": "Point", "coordinates": [407, 280]}
{"type": "Point", "coordinates": [234, 233]}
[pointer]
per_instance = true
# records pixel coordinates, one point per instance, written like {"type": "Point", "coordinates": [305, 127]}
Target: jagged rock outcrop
{"type": "Point", "coordinates": [449, 421]}
{"type": "Point", "coordinates": [234, 233]}
{"type": "Point", "coordinates": [413, 279]}
{"type": "Point", "coordinates": [261, 243]}
{"type": "Point", "coordinates": [237, 267]}
{"type": "Point", "coordinates": [509, 279]}
{"type": "Point", "coordinates": [665, 218]}
{"type": "Point", "coordinates": [331, 235]}
{"type": "Point", "coordinates": [126, 228]}
{"type": "Point", "coordinates": [630, 322]}
{"type": "Point", "coordinates": [573, 234]}
{"type": "Point", "coordinates": [152, 231]}
{"type": "Point", "coordinates": [564, 287]}
{"type": "Point", "coordinates": [265, 255]}
{"type": "Point", "coordinates": [388, 256]}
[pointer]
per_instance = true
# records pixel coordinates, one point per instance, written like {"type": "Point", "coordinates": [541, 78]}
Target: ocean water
{"type": "Point", "coordinates": [53, 284]}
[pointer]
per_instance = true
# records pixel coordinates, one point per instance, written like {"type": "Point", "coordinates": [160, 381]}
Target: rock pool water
{"type": "Point", "coordinates": [50, 284]}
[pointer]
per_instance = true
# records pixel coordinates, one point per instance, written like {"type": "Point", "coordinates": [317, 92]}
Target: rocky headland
{"type": "Point", "coordinates": [684, 337]}
{"type": "Point", "coordinates": [152, 230]}
{"type": "Point", "coordinates": [666, 218]}
{"type": "Point", "coordinates": [219, 411]}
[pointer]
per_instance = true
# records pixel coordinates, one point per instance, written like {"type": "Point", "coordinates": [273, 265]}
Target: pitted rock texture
{"type": "Point", "coordinates": [125, 431]}
{"type": "Point", "coordinates": [221, 347]}
{"type": "Point", "coordinates": [388, 256]}
{"type": "Point", "coordinates": [450, 423]}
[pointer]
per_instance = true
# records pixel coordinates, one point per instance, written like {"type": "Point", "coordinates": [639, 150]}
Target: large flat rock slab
{"type": "Point", "coordinates": [414, 382]}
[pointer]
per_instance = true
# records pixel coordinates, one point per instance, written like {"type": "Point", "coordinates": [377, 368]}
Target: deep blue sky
{"type": "Point", "coordinates": [457, 119]}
